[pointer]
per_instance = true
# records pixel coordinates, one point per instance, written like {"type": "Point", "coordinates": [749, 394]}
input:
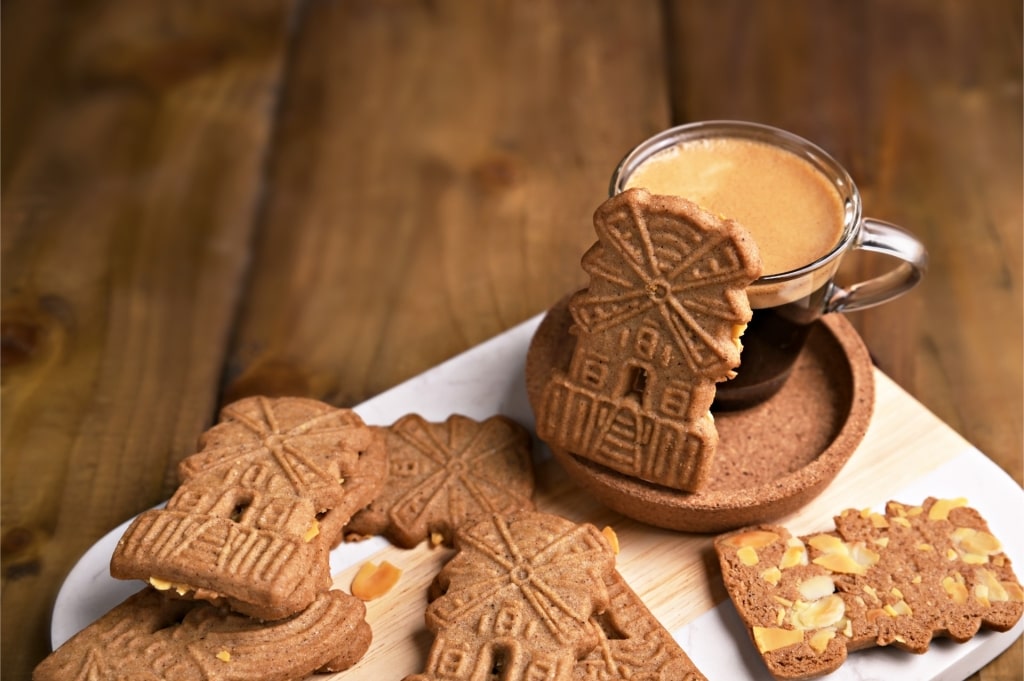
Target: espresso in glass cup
{"type": "Point", "coordinates": [804, 213]}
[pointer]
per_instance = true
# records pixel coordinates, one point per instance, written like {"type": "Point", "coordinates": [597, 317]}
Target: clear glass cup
{"type": "Point", "coordinates": [786, 304]}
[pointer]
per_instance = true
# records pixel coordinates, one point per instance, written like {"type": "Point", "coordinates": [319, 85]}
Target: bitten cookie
{"type": "Point", "coordinates": [657, 326]}
{"type": "Point", "coordinates": [517, 600]}
{"type": "Point", "coordinates": [895, 579]}
{"type": "Point", "coordinates": [442, 474]}
{"type": "Point", "coordinates": [149, 636]}
{"type": "Point", "coordinates": [245, 526]}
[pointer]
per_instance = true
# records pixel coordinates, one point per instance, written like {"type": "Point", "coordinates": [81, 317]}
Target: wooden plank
{"type": "Point", "coordinates": [922, 102]}
{"type": "Point", "coordinates": [470, 143]}
{"type": "Point", "coordinates": [129, 196]}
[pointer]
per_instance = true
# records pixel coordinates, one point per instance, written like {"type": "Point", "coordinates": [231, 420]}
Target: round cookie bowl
{"type": "Point", "coordinates": [771, 460]}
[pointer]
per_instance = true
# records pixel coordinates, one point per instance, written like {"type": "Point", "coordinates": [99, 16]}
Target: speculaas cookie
{"type": "Point", "coordinates": [898, 578]}
{"type": "Point", "coordinates": [441, 474]}
{"type": "Point", "coordinates": [363, 479]}
{"type": "Point", "coordinates": [150, 636]}
{"type": "Point", "coordinates": [244, 527]}
{"type": "Point", "coordinates": [517, 600]}
{"type": "Point", "coordinates": [657, 326]}
{"type": "Point", "coordinates": [633, 643]}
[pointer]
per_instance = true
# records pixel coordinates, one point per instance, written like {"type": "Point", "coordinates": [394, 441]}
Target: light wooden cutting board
{"type": "Point", "coordinates": [907, 455]}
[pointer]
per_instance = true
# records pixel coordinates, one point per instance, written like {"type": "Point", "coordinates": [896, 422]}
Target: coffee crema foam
{"type": "Point", "coordinates": [790, 208]}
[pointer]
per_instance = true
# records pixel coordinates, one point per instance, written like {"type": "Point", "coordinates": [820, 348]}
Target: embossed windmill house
{"type": "Point", "coordinates": [245, 525]}
{"type": "Point", "coordinates": [656, 328]}
{"type": "Point", "coordinates": [518, 600]}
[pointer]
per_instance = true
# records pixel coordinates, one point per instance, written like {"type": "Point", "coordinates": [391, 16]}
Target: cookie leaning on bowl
{"type": "Point", "coordinates": [657, 326]}
{"type": "Point", "coordinates": [898, 578]}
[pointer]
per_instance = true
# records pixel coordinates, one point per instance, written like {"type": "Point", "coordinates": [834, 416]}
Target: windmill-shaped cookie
{"type": "Point", "coordinates": [657, 327]}
{"type": "Point", "coordinates": [150, 636]}
{"type": "Point", "coordinates": [259, 507]}
{"type": "Point", "coordinates": [517, 600]}
{"type": "Point", "coordinates": [443, 473]}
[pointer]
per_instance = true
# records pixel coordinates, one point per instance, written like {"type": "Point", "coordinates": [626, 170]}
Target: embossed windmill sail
{"type": "Point", "coordinates": [686, 276]}
{"type": "Point", "coordinates": [656, 327]}
{"type": "Point", "coordinates": [443, 473]}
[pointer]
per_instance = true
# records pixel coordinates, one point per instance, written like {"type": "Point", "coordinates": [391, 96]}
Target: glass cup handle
{"type": "Point", "coordinates": [882, 237]}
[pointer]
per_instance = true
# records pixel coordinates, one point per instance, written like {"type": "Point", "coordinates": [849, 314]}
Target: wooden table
{"type": "Point", "coordinates": [208, 200]}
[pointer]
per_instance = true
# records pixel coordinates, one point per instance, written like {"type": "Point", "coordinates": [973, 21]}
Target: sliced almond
{"type": "Point", "coordinates": [840, 563]}
{"type": "Point", "coordinates": [747, 555]}
{"type": "Point", "coordinates": [772, 575]}
{"type": "Point", "coordinates": [824, 612]}
{"type": "Point", "coordinates": [1014, 592]}
{"type": "Point", "coordinates": [795, 554]}
{"type": "Point", "coordinates": [820, 640]}
{"type": "Point", "coordinates": [774, 638]}
{"type": "Point", "coordinates": [981, 594]}
{"type": "Point", "coordinates": [816, 587]}
{"type": "Point", "coordinates": [975, 542]}
{"type": "Point", "coordinates": [612, 538]}
{"type": "Point", "coordinates": [828, 543]}
{"type": "Point", "coordinates": [941, 508]}
{"type": "Point", "coordinates": [955, 588]}
{"type": "Point", "coordinates": [897, 609]}
{"type": "Point", "coordinates": [997, 593]}
{"type": "Point", "coordinates": [373, 581]}
{"type": "Point", "coordinates": [160, 584]}
{"type": "Point", "coordinates": [757, 539]}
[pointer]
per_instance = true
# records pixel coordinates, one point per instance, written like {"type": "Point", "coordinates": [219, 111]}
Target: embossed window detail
{"type": "Point", "coordinates": [452, 663]}
{"type": "Point", "coordinates": [646, 342]}
{"type": "Point", "coordinates": [507, 622]}
{"type": "Point", "coordinates": [594, 371]}
{"type": "Point", "coordinates": [405, 467]}
{"type": "Point", "coordinates": [675, 400]}
{"type": "Point", "coordinates": [242, 501]}
{"type": "Point", "coordinates": [500, 663]}
{"type": "Point", "coordinates": [636, 383]}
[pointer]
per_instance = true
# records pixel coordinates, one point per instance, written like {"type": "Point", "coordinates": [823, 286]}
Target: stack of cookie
{"type": "Point", "coordinates": [237, 563]}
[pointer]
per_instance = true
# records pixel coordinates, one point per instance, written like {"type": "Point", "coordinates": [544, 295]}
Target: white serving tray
{"type": "Point", "coordinates": [907, 455]}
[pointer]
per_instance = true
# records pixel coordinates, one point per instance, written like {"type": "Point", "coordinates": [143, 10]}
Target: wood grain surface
{"type": "Point", "coordinates": [208, 200]}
